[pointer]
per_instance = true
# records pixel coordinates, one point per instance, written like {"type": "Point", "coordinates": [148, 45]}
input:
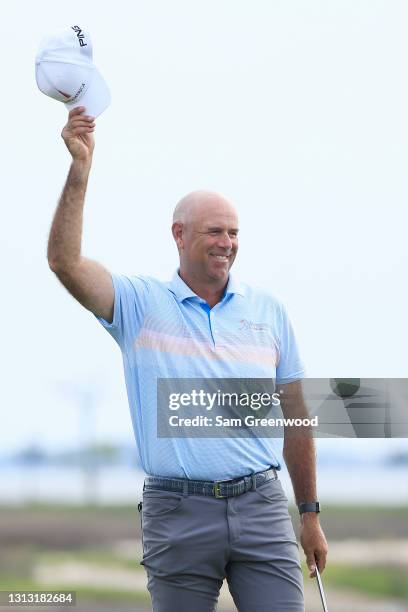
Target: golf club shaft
{"type": "Point", "coordinates": [321, 591]}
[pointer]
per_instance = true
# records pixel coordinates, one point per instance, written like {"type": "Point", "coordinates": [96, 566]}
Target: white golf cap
{"type": "Point", "coordinates": [64, 71]}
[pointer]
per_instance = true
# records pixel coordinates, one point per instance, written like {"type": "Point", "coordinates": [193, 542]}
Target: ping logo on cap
{"type": "Point", "coordinates": [80, 36]}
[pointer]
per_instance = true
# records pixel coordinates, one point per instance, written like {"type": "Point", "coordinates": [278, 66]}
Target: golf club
{"type": "Point", "coordinates": [321, 591]}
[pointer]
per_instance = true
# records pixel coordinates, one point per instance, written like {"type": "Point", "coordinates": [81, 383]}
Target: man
{"type": "Point", "coordinates": [213, 508]}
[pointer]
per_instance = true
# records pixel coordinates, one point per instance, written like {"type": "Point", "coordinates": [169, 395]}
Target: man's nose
{"type": "Point", "coordinates": [225, 241]}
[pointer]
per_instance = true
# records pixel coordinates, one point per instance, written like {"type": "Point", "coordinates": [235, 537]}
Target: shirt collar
{"type": "Point", "coordinates": [183, 291]}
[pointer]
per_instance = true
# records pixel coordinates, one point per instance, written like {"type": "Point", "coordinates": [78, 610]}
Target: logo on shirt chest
{"type": "Point", "coordinates": [245, 324]}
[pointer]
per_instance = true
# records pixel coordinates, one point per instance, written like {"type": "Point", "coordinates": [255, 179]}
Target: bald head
{"type": "Point", "coordinates": [201, 203]}
{"type": "Point", "coordinates": [205, 228]}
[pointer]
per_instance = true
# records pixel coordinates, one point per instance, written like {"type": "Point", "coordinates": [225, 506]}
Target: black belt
{"type": "Point", "coordinates": [217, 488]}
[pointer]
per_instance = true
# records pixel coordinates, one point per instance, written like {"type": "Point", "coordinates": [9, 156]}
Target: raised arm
{"type": "Point", "coordinates": [88, 281]}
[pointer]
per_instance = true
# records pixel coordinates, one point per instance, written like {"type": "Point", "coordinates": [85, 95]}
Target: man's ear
{"type": "Point", "coordinates": [177, 231]}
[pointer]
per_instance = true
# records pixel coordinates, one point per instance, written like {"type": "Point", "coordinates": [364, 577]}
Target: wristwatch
{"type": "Point", "coordinates": [309, 507]}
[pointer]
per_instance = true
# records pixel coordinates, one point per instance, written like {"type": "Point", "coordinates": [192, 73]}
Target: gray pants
{"type": "Point", "coordinates": [192, 542]}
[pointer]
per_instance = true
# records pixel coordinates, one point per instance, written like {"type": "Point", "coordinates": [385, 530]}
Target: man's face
{"type": "Point", "coordinates": [210, 241]}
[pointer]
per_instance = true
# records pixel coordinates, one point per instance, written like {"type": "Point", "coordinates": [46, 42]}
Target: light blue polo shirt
{"type": "Point", "coordinates": [165, 330]}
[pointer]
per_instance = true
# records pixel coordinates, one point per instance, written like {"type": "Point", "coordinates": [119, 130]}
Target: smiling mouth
{"type": "Point", "coordinates": [220, 257]}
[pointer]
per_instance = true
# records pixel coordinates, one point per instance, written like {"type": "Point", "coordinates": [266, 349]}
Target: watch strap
{"type": "Point", "coordinates": [309, 507]}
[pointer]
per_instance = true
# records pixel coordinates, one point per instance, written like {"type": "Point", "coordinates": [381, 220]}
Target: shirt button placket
{"type": "Point", "coordinates": [214, 329]}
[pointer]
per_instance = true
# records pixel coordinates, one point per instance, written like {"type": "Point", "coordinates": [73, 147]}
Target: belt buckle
{"type": "Point", "coordinates": [217, 489]}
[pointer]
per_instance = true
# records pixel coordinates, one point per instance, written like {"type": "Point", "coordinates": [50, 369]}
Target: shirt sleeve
{"type": "Point", "coordinates": [290, 366]}
{"type": "Point", "coordinates": [130, 302]}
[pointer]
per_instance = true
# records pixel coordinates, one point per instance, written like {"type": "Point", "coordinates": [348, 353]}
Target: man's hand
{"type": "Point", "coordinates": [77, 134]}
{"type": "Point", "coordinates": [313, 543]}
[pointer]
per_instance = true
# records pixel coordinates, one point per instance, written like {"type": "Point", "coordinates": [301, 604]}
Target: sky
{"type": "Point", "coordinates": [295, 111]}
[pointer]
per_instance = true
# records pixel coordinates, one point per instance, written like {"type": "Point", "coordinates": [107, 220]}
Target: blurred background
{"type": "Point", "coordinates": [297, 112]}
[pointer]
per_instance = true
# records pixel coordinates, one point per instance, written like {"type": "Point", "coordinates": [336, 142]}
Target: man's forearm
{"type": "Point", "coordinates": [64, 244]}
{"type": "Point", "coordinates": [300, 457]}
